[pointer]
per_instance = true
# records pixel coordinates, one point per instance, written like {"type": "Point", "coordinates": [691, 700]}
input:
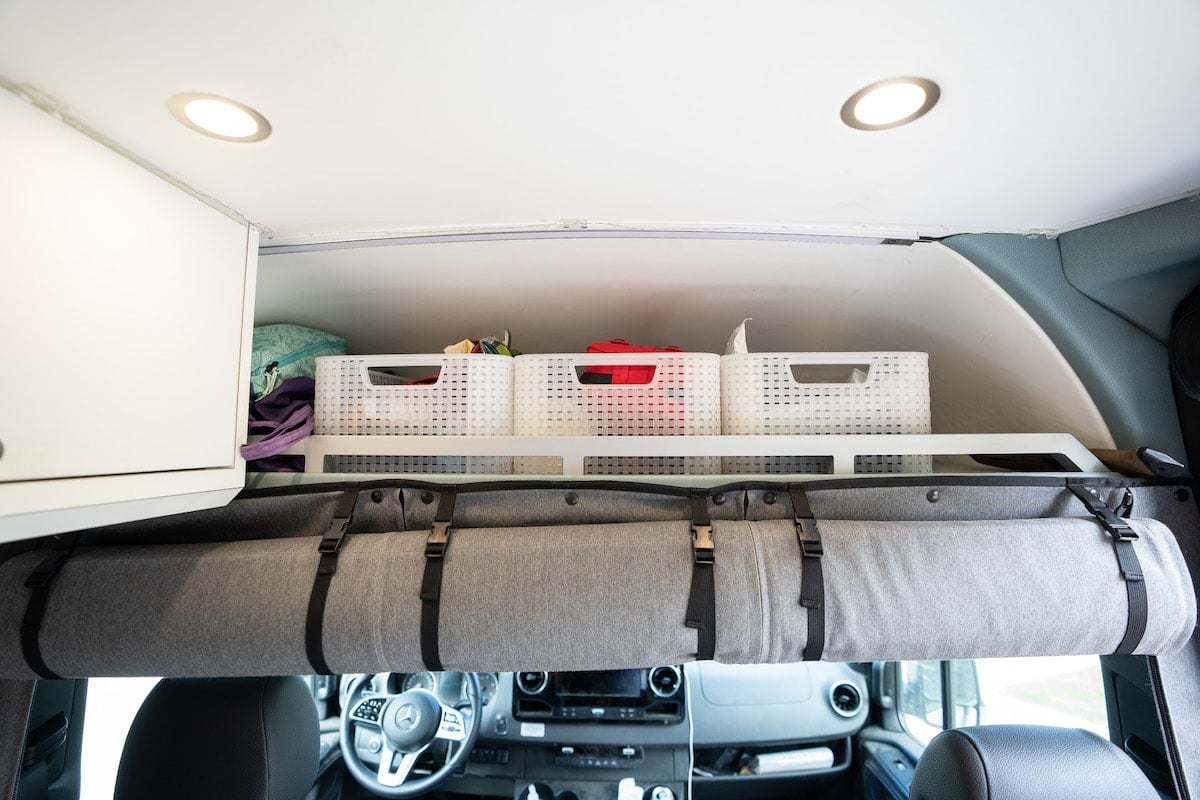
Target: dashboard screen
{"type": "Point", "coordinates": [614, 683]}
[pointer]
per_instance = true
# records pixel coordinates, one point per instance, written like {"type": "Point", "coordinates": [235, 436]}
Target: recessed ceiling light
{"type": "Point", "coordinates": [889, 103]}
{"type": "Point", "coordinates": [219, 117]}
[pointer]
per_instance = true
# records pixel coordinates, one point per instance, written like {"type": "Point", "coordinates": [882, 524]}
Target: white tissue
{"type": "Point", "coordinates": [737, 339]}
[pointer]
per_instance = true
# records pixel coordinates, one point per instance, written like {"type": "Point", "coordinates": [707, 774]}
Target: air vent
{"type": "Point", "coordinates": [532, 682]}
{"type": "Point", "coordinates": [846, 699]}
{"type": "Point", "coordinates": [665, 681]}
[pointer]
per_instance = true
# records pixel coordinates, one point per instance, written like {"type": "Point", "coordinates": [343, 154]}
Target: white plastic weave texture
{"type": "Point", "coordinates": [825, 393]}
{"type": "Point", "coordinates": [472, 397]}
{"type": "Point", "coordinates": [683, 398]}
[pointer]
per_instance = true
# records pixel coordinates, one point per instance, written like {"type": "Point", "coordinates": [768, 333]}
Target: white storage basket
{"type": "Point", "coordinates": [825, 393]}
{"type": "Point", "coordinates": [355, 395]}
{"type": "Point", "coordinates": [683, 398]}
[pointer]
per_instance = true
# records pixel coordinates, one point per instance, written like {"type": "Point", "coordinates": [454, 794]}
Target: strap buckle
{"type": "Point", "coordinates": [703, 545]}
{"type": "Point", "coordinates": [1117, 527]}
{"type": "Point", "coordinates": [45, 572]}
{"type": "Point", "coordinates": [331, 542]}
{"type": "Point", "coordinates": [438, 539]}
{"type": "Point", "coordinates": [807, 533]}
{"type": "Point", "coordinates": [809, 547]}
{"type": "Point", "coordinates": [1122, 532]}
{"type": "Point", "coordinates": [56, 556]}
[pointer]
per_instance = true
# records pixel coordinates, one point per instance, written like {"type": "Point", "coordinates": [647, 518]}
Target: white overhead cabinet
{"type": "Point", "coordinates": [124, 315]}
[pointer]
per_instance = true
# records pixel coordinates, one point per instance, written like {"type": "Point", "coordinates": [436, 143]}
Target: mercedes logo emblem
{"type": "Point", "coordinates": [406, 717]}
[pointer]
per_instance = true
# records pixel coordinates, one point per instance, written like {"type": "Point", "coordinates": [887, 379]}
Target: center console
{"type": "Point", "coordinates": [653, 695]}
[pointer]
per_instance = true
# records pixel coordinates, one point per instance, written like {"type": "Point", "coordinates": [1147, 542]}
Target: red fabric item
{"type": "Point", "coordinates": [633, 373]}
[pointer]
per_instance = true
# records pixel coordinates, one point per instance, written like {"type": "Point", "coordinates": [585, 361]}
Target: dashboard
{"type": "Point", "coordinates": [723, 726]}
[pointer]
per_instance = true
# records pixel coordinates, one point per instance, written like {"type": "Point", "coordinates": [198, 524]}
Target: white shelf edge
{"type": "Point", "coordinates": [842, 448]}
{"type": "Point", "coordinates": [38, 508]}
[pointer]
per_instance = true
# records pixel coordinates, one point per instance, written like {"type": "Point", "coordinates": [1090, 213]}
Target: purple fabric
{"type": "Point", "coordinates": [283, 417]}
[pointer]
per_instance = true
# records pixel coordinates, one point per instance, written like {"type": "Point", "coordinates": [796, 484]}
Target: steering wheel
{"type": "Point", "coordinates": [398, 728]}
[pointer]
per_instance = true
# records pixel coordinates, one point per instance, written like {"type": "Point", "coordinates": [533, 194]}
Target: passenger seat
{"type": "Point", "coordinates": [1026, 762]}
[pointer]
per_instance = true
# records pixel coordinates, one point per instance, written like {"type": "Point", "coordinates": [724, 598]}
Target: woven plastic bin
{"type": "Point", "coordinates": [825, 393]}
{"type": "Point", "coordinates": [682, 398]}
{"type": "Point", "coordinates": [357, 396]}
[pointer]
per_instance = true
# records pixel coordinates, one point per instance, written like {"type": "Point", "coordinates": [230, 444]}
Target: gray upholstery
{"type": "Point", "coordinates": [1026, 762]}
{"type": "Point", "coordinates": [979, 589]}
{"type": "Point", "coordinates": [232, 738]}
{"type": "Point", "coordinates": [601, 597]}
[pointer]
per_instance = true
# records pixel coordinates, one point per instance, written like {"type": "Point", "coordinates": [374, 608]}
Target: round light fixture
{"type": "Point", "coordinates": [219, 117]}
{"type": "Point", "coordinates": [890, 103]}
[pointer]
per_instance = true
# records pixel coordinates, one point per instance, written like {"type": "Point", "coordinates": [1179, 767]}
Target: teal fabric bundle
{"type": "Point", "coordinates": [286, 351]}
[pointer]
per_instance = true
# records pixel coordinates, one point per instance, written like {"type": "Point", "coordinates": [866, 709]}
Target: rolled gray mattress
{"type": "Point", "coordinates": [600, 596]}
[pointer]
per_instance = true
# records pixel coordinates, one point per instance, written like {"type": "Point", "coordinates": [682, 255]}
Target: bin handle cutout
{"type": "Point", "coordinates": [389, 372]}
{"type": "Point", "coordinates": [615, 375]}
{"type": "Point", "coordinates": [834, 373]}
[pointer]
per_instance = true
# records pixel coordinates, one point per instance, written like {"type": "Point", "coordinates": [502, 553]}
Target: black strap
{"type": "Point", "coordinates": [812, 577]}
{"type": "Point", "coordinates": [39, 582]}
{"type": "Point", "coordinates": [330, 547]}
{"type": "Point", "coordinates": [702, 601]}
{"type": "Point", "coordinates": [436, 545]}
{"type": "Point", "coordinates": [1123, 537]}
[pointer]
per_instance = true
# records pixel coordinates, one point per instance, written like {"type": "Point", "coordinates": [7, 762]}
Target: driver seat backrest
{"type": "Point", "coordinates": [1026, 762]}
{"type": "Point", "coordinates": [228, 738]}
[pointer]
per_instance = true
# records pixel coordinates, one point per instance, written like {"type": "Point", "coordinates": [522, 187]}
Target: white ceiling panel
{"type": "Point", "coordinates": [404, 116]}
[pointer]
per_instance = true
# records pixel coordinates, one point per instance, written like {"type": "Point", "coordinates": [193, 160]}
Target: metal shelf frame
{"type": "Point", "coordinates": [1071, 455]}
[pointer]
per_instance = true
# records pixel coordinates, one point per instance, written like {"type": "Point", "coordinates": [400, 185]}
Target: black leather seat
{"type": "Point", "coordinates": [226, 738]}
{"type": "Point", "coordinates": [1026, 762]}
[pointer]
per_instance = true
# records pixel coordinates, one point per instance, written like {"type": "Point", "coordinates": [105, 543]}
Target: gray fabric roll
{"type": "Point", "coordinates": [568, 505]}
{"type": "Point", "coordinates": [301, 514]}
{"type": "Point", "coordinates": [994, 589]}
{"type": "Point", "coordinates": [600, 597]}
{"type": "Point", "coordinates": [914, 502]}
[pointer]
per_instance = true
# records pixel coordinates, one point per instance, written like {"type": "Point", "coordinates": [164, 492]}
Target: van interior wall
{"type": "Point", "coordinates": [1139, 266]}
{"type": "Point", "coordinates": [1123, 367]}
{"type": "Point", "coordinates": [992, 368]}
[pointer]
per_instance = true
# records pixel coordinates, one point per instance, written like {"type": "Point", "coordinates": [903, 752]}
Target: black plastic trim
{"type": "Point", "coordinates": [673, 490]}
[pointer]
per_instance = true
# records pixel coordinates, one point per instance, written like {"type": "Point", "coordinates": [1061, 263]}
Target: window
{"type": "Point", "coordinates": [1062, 691]}
{"type": "Point", "coordinates": [111, 706]}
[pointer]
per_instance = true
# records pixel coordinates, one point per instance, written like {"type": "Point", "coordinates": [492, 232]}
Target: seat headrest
{"type": "Point", "coordinates": [232, 738]}
{"type": "Point", "coordinates": [1026, 762]}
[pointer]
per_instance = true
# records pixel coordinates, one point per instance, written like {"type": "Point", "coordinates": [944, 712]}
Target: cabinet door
{"type": "Point", "coordinates": [121, 312]}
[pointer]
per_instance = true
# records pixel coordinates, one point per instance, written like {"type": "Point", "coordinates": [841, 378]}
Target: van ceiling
{"type": "Point", "coordinates": [407, 116]}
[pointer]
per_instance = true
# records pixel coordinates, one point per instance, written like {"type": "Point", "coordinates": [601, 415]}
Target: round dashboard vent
{"type": "Point", "coordinates": [846, 699]}
{"type": "Point", "coordinates": [532, 682]}
{"type": "Point", "coordinates": [665, 681]}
